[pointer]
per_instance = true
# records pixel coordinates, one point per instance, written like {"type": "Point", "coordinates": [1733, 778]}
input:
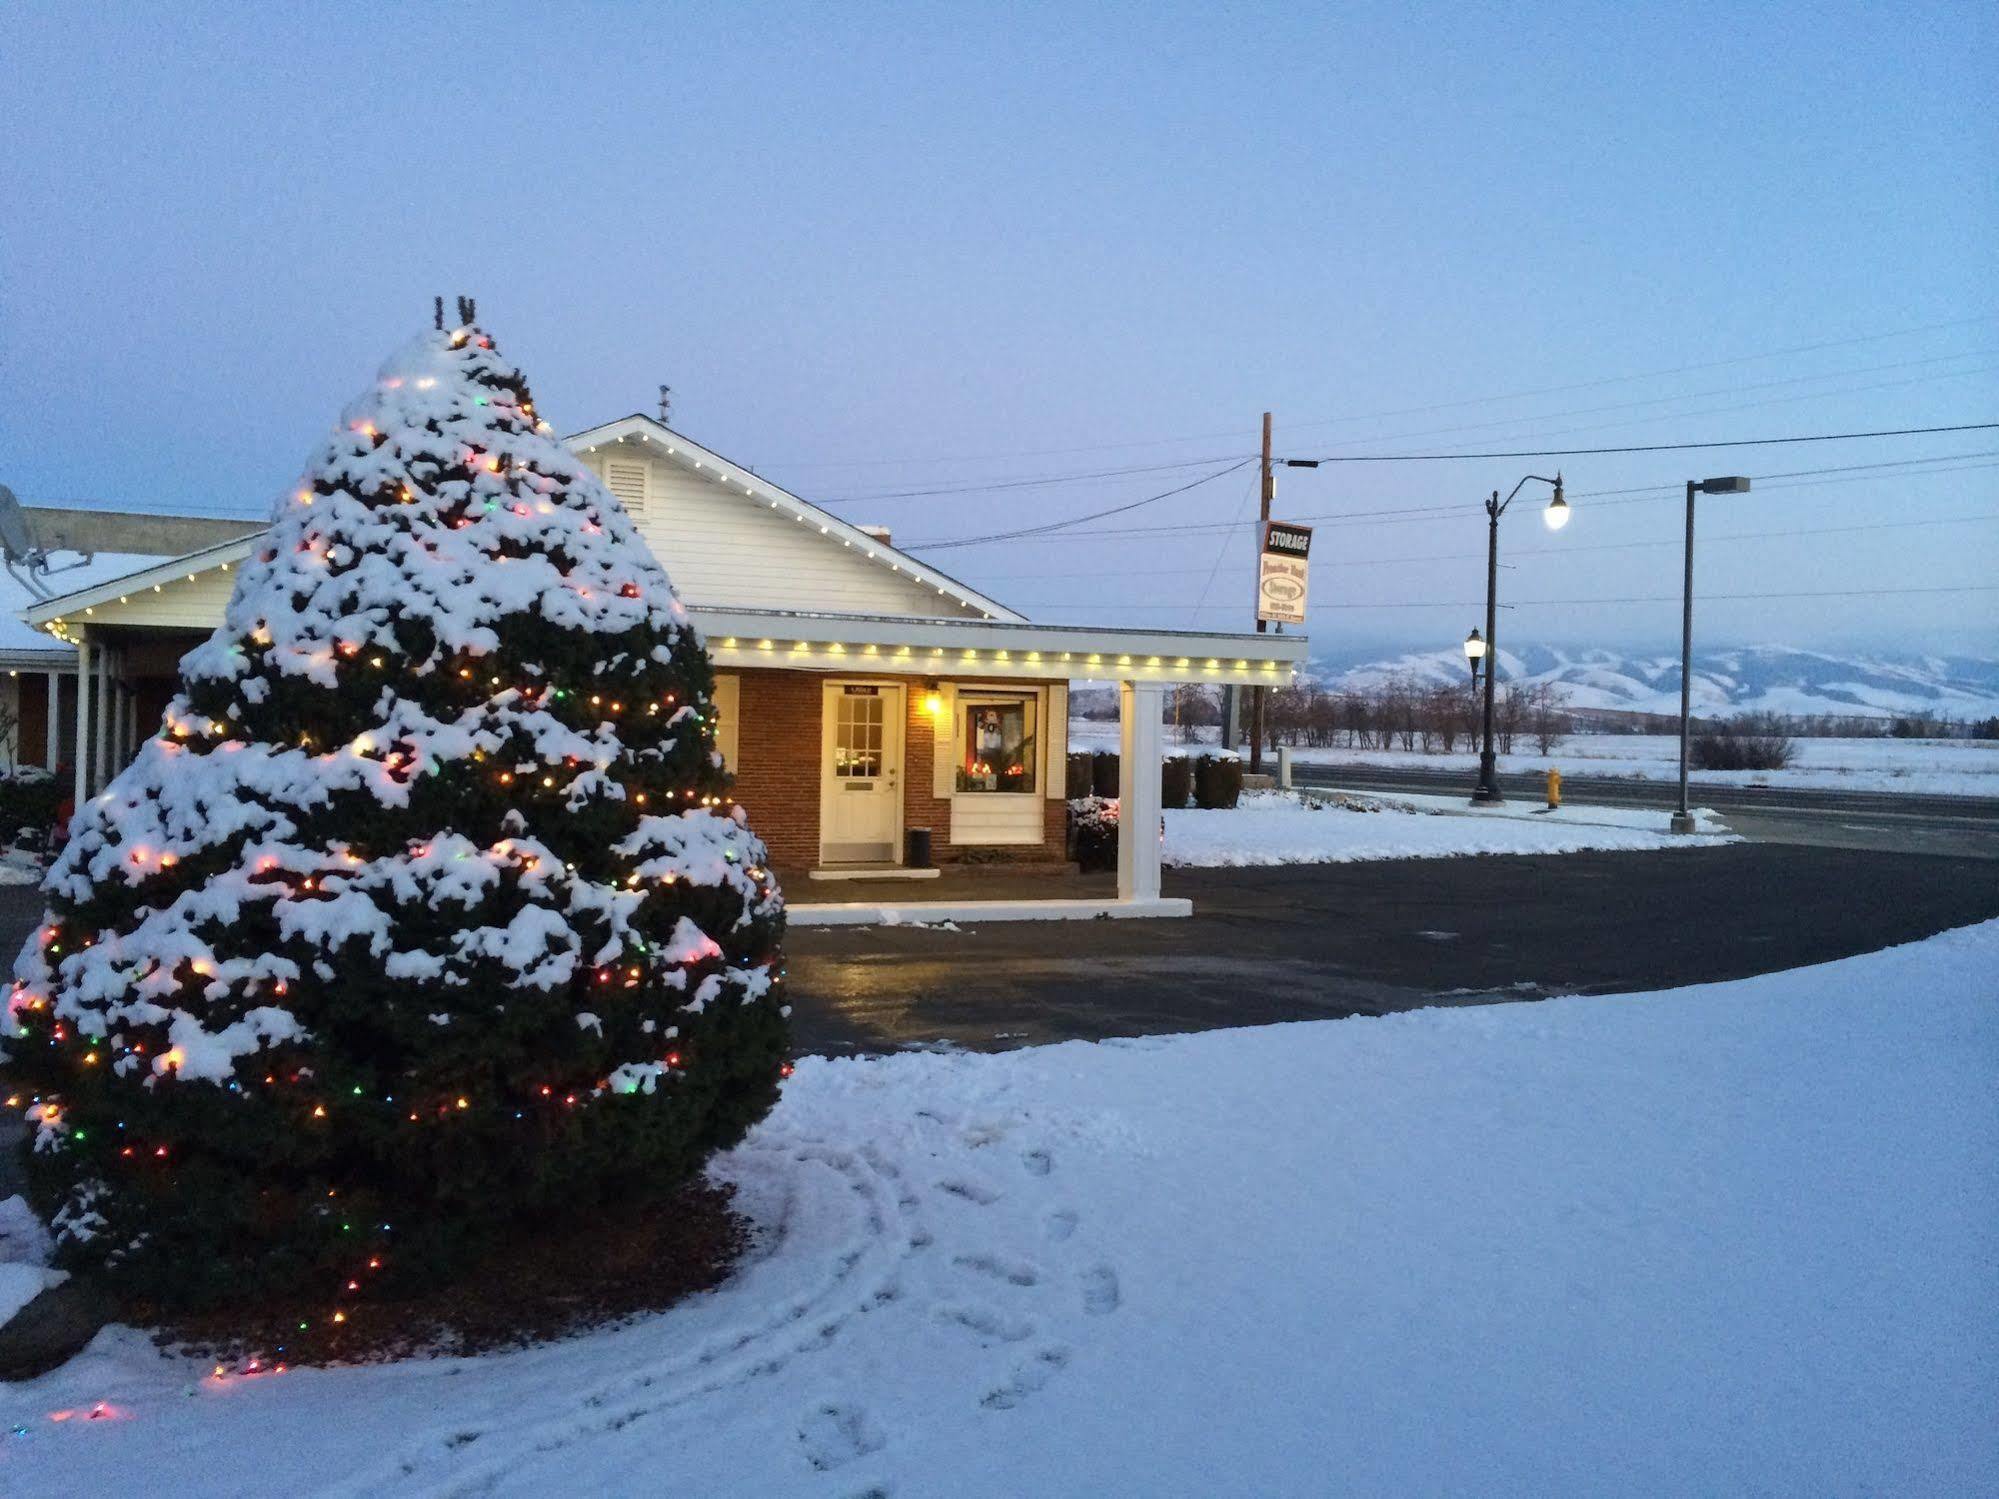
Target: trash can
{"type": "Point", "coordinates": [916, 848]}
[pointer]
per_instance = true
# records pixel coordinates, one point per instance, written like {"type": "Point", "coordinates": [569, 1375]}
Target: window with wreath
{"type": "Point", "coordinates": [996, 738]}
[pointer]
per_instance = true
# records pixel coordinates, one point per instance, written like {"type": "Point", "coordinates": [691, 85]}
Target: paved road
{"type": "Point", "coordinates": [1308, 942]}
{"type": "Point", "coordinates": [1890, 820]}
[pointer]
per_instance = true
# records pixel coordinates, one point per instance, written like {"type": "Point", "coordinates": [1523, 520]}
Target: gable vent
{"type": "Point", "coordinates": [628, 482]}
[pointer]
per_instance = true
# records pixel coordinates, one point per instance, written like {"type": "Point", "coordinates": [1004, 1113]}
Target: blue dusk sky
{"type": "Point", "coordinates": [884, 249]}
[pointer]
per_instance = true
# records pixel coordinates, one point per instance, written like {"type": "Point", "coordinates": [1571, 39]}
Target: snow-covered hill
{"type": "Point", "coordinates": [1765, 678]}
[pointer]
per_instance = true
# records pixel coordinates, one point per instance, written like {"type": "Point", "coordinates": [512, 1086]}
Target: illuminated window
{"type": "Point", "coordinates": [996, 739]}
{"type": "Point", "coordinates": [857, 736]}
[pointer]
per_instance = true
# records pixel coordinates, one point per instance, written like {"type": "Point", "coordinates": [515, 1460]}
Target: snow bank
{"type": "Point", "coordinates": [1728, 1239]}
{"type": "Point", "coordinates": [1280, 829]}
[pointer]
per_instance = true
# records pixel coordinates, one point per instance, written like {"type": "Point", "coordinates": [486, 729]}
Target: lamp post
{"type": "Point", "coordinates": [1557, 516]}
{"type": "Point", "coordinates": [1683, 820]}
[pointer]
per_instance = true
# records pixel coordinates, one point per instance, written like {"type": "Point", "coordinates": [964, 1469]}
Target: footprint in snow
{"type": "Point", "coordinates": [971, 1191]}
{"type": "Point", "coordinates": [1038, 1162]}
{"type": "Point", "coordinates": [1100, 1291]}
{"type": "Point", "coordinates": [834, 1435]}
{"type": "Point", "coordinates": [1062, 1224]}
{"type": "Point", "coordinates": [1029, 1377]}
{"type": "Point", "coordinates": [988, 1325]}
{"type": "Point", "coordinates": [991, 1266]}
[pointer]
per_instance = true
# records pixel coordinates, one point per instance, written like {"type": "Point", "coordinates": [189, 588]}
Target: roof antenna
{"type": "Point", "coordinates": [665, 404]}
{"type": "Point", "coordinates": [438, 312]}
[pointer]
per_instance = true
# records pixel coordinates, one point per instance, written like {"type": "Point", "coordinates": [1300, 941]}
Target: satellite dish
{"type": "Point", "coordinates": [17, 537]}
{"type": "Point", "coordinates": [19, 549]}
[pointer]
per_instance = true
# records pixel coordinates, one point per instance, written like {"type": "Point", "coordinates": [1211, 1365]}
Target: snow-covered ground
{"type": "Point", "coordinates": [1728, 1239]}
{"type": "Point", "coordinates": [1273, 828]}
{"type": "Point", "coordinates": [1940, 767]}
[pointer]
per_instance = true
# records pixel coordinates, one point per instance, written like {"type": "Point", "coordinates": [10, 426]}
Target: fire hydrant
{"type": "Point", "coordinates": [1554, 789]}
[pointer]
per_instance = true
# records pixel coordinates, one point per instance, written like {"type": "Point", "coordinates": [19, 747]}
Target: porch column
{"type": "Point", "coordinates": [1141, 706]}
{"type": "Point", "coordinates": [106, 715]}
{"type": "Point", "coordinates": [52, 740]}
{"type": "Point", "coordinates": [123, 756]}
{"type": "Point", "coordinates": [84, 669]}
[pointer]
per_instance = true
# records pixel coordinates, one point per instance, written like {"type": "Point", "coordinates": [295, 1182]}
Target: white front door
{"type": "Point", "coordinates": [860, 795]}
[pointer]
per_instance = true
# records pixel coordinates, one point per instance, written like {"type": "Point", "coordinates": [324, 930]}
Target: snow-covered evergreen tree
{"type": "Point", "coordinates": [427, 912]}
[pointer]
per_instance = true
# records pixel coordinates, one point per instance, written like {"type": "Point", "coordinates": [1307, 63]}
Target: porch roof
{"type": "Point", "coordinates": [958, 647]}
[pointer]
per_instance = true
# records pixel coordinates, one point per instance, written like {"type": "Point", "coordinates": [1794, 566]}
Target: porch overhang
{"type": "Point", "coordinates": [917, 647]}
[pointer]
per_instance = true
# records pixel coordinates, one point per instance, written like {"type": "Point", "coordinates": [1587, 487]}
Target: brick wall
{"type": "Point", "coordinates": [777, 777]}
{"type": "Point", "coordinates": [778, 770]}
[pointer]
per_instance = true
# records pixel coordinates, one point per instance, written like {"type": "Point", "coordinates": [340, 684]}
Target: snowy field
{"type": "Point", "coordinates": [1938, 767]}
{"type": "Point", "coordinates": [1272, 828]}
{"type": "Point", "coordinates": [1730, 1239]}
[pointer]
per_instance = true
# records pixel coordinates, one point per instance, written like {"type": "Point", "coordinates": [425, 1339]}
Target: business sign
{"type": "Point", "coordinates": [1281, 573]}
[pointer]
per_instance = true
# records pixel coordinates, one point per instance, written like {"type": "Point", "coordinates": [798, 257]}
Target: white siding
{"type": "Point", "coordinates": [999, 817]}
{"type": "Point", "coordinates": [180, 603]}
{"type": "Point", "coordinates": [724, 549]}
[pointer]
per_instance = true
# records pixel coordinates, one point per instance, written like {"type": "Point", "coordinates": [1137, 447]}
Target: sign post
{"type": "Point", "coordinates": [1282, 574]}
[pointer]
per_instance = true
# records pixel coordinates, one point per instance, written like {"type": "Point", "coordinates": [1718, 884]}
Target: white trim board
{"type": "Point", "coordinates": [909, 913]}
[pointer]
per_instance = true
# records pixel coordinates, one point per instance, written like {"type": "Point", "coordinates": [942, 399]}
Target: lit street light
{"type": "Point", "coordinates": [1557, 516]}
{"type": "Point", "coordinates": [1474, 653]}
{"type": "Point", "coordinates": [1683, 820]}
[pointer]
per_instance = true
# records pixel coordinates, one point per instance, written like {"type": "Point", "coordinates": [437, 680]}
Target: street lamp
{"type": "Point", "coordinates": [1557, 516]}
{"type": "Point", "coordinates": [1474, 653]}
{"type": "Point", "coordinates": [1683, 820]}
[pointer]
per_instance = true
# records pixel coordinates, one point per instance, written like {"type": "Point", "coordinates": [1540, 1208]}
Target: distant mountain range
{"type": "Point", "coordinates": [1765, 678]}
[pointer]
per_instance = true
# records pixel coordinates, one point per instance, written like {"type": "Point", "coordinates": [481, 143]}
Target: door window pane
{"type": "Point", "coordinates": [857, 737]}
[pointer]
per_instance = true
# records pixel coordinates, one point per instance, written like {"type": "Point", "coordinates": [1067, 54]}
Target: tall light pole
{"type": "Point", "coordinates": [1683, 820]}
{"type": "Point", "coordinates": [1557, 516]}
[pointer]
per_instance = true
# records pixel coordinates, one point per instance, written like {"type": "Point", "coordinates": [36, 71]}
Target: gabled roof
{"type": "Point", "coordinates": [667, 443]}
{"type": "Point", "coordinates": [224, 555]}
{"type": "Point", "coordinates": [659, 438]}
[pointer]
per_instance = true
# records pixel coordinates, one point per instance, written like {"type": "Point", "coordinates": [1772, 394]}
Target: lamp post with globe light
{"type": "Point", "coordinates": [1487, 649]}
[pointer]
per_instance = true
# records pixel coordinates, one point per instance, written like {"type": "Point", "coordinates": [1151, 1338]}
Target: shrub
{"type": "Point", "coordinates": [1176, 781]}
{"type": "Point", "coordinates": [29, 801]}
{"type": "Point", "coordinates": [1093, 831]}
{"type": "Point", "coordinates": [1725, 748]}
{"type": "Point", "coordinates": [1217, 781]}
{"type": "Point", "coordinates": [1104, 773]}
{"type": "Point", "coordinates": [1081, 774]}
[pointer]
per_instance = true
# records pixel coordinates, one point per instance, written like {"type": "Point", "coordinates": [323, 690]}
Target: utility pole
{"type": "Point", "coordinates": [1268, 490]}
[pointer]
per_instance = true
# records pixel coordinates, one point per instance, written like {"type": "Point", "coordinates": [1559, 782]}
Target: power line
{"type": "Point", "coordinates": [1561, 551]}
{"type": "Point", "coordinates": [1685, 369]}
{"type": "Point", "coordinates": [1051, 480]}
{"type": "Point", "coordinates": [1059, 525]}
{"type": "Point", "coordinates": [1246, 435]}
{"type": "Point", "coordinates": [1107, 473]}
{"type": "Point", "coordinates": [1654, 447]}
{"type": "Point", "coordinates": [1221, 552]}
{"type": "Point", "coordinates": [1531, 428]}
{"type": "Point", "coordinates": [1420, 512]}
{"type": "Point", "coordinates": [1657, 598]}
